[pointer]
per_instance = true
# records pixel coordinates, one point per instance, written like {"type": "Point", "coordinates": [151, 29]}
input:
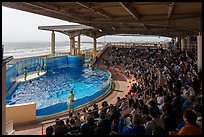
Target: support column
{"type": "Point", "coordinates": [94, 49]}
{"type": "Point", "coordinates": [53, 44]}
{"type": "Point", "coordinates": [183, 44]}
{"type": "Point", "coordinates": [3, 97]}
{"type": "Point", "coordinates": [79, 44]}
{"type": "Point", "coordinates": [188, 42]}
{"type": "Point", "coordinates": [72, 45]}
{"type": "Point", "coordinates": [199, 52]}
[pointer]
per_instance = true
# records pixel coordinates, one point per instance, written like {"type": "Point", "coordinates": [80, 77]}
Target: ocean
{"type": "Point", "coordinates": [28, 49]}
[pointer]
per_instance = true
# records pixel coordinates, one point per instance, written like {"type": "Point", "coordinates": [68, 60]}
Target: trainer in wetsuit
{"type": "Point", "coordinates": [70, 101]}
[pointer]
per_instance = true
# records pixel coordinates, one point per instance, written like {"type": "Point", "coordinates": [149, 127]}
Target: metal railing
{"type": "Point", "coordinates": [146, 92]}
{"type": "Point", "coordinates": [103, 85]}
{"type": "Point", "coordinates": [9, 128]}
{"type": "Point", "coordinates": [53, 121]}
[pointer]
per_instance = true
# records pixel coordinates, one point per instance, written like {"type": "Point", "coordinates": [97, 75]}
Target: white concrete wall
{"type": "Point", "coordinates": [20, 113]}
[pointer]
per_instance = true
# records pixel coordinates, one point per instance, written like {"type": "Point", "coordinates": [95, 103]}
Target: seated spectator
{"type": "Point", "coordinates": [156, 121]}
{"type": "Point", "coordinates": [168, 118]}
{"type": "Point", "coordinates": [49, 130]}
{"type": "Point", "coordinates": [124, 104]}
{"type": "Point", "coordinates": [77, 120]}
{"type": "Point", "coordinates": [153, 98]}
{"type": "Point", "coordinates": [105, 124]}
{"type": "Point", "coordinates": [138, 128]}
{"type": "Point", "coordinates": [95, 111]}
{"type": "Point", "coordinates": [67, 123]}
{"type": "Point", "coordinates": [191, 127]}
{"type": "Point", "coordinates": [124, 126]}
{"type": "Point", "coordinates": [134, 111]}
{"type": "Point", "coordinates": [119, 102]}
{"type": "Point", "coordinates": [89, 126]}
{"type": "Point", "coordinates": [98, 131]}
{"type": "Point", "coordinates": [73, 130]}
{"type": "Point", "coordinates": [197, 109]}
{"type": "Point", "coordinates": [160, 98]}
{"type": "Point", "coordinates": [177, 100]}
{"type": "Point", "coordinates": [59, 130]}
{"type": "Point", "coordinates": [104, 107]}
{"type": "Point", "coordinates": [114, 127]}
{"type": "Point", "coordinates": [145, 115]}
{"type": "Point", "coordinates": [56, 123]}
{"type": "Point", "coordinates": [84, 115]}
{"type": "Point", "coordinates": [196, 84]}
{"type": "Point", "coordinates": [191, 91]}
{"type": "Point", "coordinates": [61, 124]}
{"type": "Point", "coordinates": [179, 120]}
{"type": "Point", "coordinates": [187, 102]}
{"type": "Point", "coordinates": [85, 129]}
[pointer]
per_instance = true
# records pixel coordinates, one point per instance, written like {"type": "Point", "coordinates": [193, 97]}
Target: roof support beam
{"type": "Point", "coordinates": [132, 11]}
{"type": "Point", "coordinates": [44, 6]}
{"type": "Point", "coordinates": [98, 10]}
{"type": "Point", "coordinates": [24, 7]}
{"type": "Point", "coordinates": [129, 9]}
{"type": "Point", "coordinates": [170, 10]}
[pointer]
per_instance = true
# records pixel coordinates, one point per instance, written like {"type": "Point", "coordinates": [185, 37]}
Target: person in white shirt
{"type": "Point", "coordinates": [191, 91]}
{"type": "Point", "coordinates": [156, 120]}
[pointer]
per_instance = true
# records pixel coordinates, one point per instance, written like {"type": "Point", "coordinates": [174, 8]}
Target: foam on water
{"type": "Point", "coordinates": [54, 87]}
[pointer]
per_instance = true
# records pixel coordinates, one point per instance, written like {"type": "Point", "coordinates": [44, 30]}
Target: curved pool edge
{"type": "Point", "coordinates": [105, 93]}
{"type": "Point", "coordinates": [97, 99]}
{"type": "Point", "coordinates": [60, 107]}
{"type": "Point", "coordinates": [66, 112]}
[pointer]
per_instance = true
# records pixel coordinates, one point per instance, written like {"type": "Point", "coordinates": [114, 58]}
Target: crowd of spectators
{"type": "Point", "coordinates": [174, 106]}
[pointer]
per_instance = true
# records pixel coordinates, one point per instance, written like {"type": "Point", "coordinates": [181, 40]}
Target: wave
{"type": "Point", "coordinates": [20, 51]}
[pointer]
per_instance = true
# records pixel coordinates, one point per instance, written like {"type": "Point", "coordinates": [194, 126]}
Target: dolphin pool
{"type": "Point", "coordinates": [50, 91]}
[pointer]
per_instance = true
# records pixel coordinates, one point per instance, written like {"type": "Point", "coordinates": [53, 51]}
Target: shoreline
{"type": "Point", "coordinates": [18, 56]}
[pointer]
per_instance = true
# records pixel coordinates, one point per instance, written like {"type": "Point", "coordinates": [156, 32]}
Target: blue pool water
{"type": "Point", "coordinates": [50, 91]}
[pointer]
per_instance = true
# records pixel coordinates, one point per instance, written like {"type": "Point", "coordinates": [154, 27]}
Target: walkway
{"type": "Point", "coordinates": [30, 76]}
{"type": "Point", "coordinates": [120, 89]}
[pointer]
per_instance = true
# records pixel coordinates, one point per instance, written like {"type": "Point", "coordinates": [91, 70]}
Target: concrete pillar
{"type": "Point", "coordinates": [79, 44]}
{"type": "Point", "coordinates": [72, 45]}
{"type": "Point", "coordinates": [183, 44]}
{"type": "Point", "coordinates": [3, 100]}
{"type": "Point", "coordinates": [188, 42]}
{"type": "Point", "coordinates": [53, 44]}
{"type": "Point", "coordinates": [94, 49]}
{"type": "Point", "coordinates": [199, 52]}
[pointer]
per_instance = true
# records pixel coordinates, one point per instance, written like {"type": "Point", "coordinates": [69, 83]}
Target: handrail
{"type": "Point", "coordinates": [104, 48]}
{"type": "Point", "coordinates": [9, 127]}
{"type": "Point", "coordinates": [47, 122]}
{"type": "Point", "coordinates": [52, 121]}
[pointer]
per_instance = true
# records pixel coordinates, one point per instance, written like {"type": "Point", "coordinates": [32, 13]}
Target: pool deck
{"type": "Point", "coordinates": [30, 76]}
{"type": "Point", "coordinates": [122, 86]}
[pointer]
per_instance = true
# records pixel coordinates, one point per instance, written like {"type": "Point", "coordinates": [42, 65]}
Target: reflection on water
{"type": "Point", "coordinates": [54, 87]}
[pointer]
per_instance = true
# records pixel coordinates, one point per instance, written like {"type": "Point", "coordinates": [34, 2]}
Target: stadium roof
{"type": "Point", "coordinates": [146, 18]}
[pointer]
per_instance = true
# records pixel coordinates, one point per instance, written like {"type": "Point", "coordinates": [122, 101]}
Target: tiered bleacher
{"type": "Point", "coordinates": [173, 107]}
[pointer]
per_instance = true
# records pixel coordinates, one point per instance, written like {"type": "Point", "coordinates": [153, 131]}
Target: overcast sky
{"type": "Point", "coordinates": [21, 26]}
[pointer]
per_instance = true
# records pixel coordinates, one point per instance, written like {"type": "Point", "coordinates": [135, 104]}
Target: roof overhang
{"type": "Point", "coordinates": [147, 18]}
{"type": "Point", "coordinates": [71, 29]}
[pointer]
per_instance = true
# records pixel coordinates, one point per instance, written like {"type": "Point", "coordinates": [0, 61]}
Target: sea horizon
{"type": "Point", "coordinates": [29, 49]}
